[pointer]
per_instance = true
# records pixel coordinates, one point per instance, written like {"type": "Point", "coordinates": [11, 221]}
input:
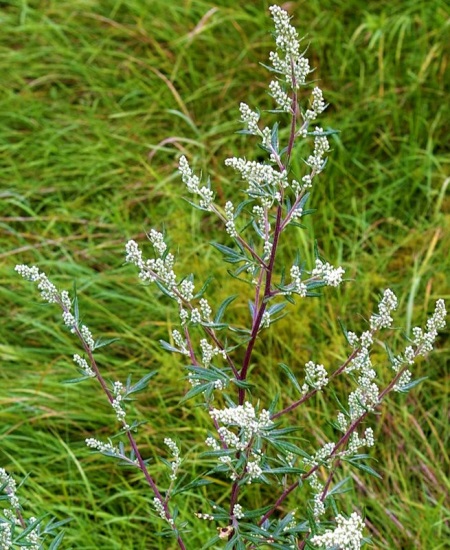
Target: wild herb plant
{"type": "Point", "coordinates": [252, 441]}
{"type": "Point", "coordinates": [17, 531]}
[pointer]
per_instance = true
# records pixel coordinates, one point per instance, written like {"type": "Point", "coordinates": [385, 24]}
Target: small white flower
{"type": "Point", "coordinates": [157, 240]}
{"type": "Point", "coordinates": [332, 276]}
{"type": "Point", "coordinates": [186, 289]}
{"type": "Point", "coordinates": [175, 464]}
{"type": "Point", "coordinates": [387, 304]}
{"type": "Point", "coordinates": [205, 309]}
{"type": "Point", "coordinates": [316, 161]}
{"type": "Point", "coordinates": [191, 181]}
{"type": "Point", "coordinates": [316, 375]}
{"type": "Point", "coordinates": [83, 364]}
{"type": "Point", "coordinates": [347, 534]}
{"type": "Point", "coordinates": [282, 99]}
{"type": "Point", "coordinates": [317, 106]}
{"type": "Point", "coordinates": [97, 445]}
{"type": "Point", "coordinates": [265, 321]}
{"type": "Point", "coordinates": [229, 215]}
{"type": "Point", "coordinates": [238, 511]}
{"type": "Point", "coordinates": [196, 318]}
{"type": "Point", "coordinates": [87, 337]}
{"type": "Point", "coordinates": [10, 487]}
{"type": "Point", "coordinates": [249, 118]}
{"type": "Point", "coordinates": [159, 507]}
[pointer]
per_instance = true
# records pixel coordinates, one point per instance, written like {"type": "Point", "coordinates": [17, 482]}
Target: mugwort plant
{"type": "Point", "coordinates": [18, 531]}
{"type": "Point", "coordinates": [251, 441]}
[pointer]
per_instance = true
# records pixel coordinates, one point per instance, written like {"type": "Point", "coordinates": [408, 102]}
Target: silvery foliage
{"type": "Point", "coordinates": [251, 441]}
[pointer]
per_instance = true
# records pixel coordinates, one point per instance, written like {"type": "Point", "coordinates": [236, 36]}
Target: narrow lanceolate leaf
{"type": "Point", "coordinates": [141, 384]}
{"type": "Point", "coordinates": [199, 482]}
{"type": "Point", "coordinates": [284, 470]}
{"type": "Point", "coordinates": [412, 384]}
{"type": "Point", "coordinates": [76, 311]}
{"type": "Point", "coordinates": [56, 543]}
{"type": "Point", "coordinates": [168, 347]}
{"type": "Point", "coordinates": [196, 390]}
{"type": "Point", "coordinates": [202, 291]}
{"type": "Point", "coordinates": [103, 342]}
{"type": "Point", "coordinates": [230, 254]}
{"type": "Point", "coordinates": [291, 377]}
{"type": "Point", "coordinates": [357, 462]}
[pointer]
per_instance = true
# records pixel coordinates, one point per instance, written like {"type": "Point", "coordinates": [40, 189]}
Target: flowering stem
{"type": "Point", "coordinates": [296, 404]}
{"type": "Point", "coordinates": [336, 448]}
{"type": "Point", "coordinates": [262, 307]}
{"type": "Point", "coordinates": [130, 437]}
{"type": "Point", "coordinates": [241, 241]}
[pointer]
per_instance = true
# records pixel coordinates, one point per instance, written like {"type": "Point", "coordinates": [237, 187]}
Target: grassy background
{"type": "Point", "coordinates": [98, 99]}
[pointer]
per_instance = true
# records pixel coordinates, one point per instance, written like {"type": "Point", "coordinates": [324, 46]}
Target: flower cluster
{"type": "Point", "coordinates": [316, 161]}
{"type": "Point", "coordinates": [317, 106]}
{"type": "Point", "coordinates": [176, 462]}
{"type": "Point", "coordinates": [192, 183]}
{"type": "Point", "coordinates": [298, 286]}
{"type": "Point", "coordinates": [383, 318]}
{"type": "Point", "coordinates": [238, 511]}
{"type": "Point", "coordinates": [292, 65]}
{"type": "Point", "coordinates": [347, 535]}
{"type": "Point", "coordinates": [282, 99]}
{"type": "Point", "coordinates": [332, 276]}
{"type": "Point", "coordinates": [155, 269]}
{"type": "Point", "coordinates": [249, 118]}
{"type": "Point", "coordinates": [180, 342]}
{"type": "Point", "coordinates": [50, 294]}
{"type": "Point", "coordinates": [244, 417]}
{"type": "Point", "coordinates": [8, 483]}
{"type": "Point", "coordinates": [83, 364]}
{"type": "Point", "coordinates": [249, 426]}
{"type": "Point", "coordinates": [15, 530]}
{"type": "Point", "coordinates": [105, 448]}
{"type": "Point", "coordinates": [423, 342]}
{"type": "Point", "coordinates": [229, 215]}
{"type": "Point", "coordinates": [48, 291]}
{"type": "Point", "coordinates": [262, 179]}
{"type": "Point", "coordinates": [117, 403]}
{"type": "Point", "coordinates": [316, 376]}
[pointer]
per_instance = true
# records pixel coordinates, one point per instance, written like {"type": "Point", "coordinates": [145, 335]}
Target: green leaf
{"type": "Point", "coordinates": [199, 482]}
{"type": "Point", "coordinates": [274, 137]}
{"type": "Point", "coordinates": [356, 462]}
{"type": "Point", "coordinates": [202, 291]}
{"type": "Point", "coordinates": [211, 542]}
{"type": "Point", "coordinates": [291, 377]}
{"type": "Point", "coordinates": [141, 384]}
{"type": "Point", "coordinates": [276, 308]}
{"type": "Point", "coordinates": [166, 346]}
{"type": "Point", "coordinates": [165, 290]}
{"type": "Point", "coordinates": [285, 470]}
{"type": "Point", "coordinates": [328, 132]}
{"type": "Point", "coordinates": [241, 206]}
{"type": "Point", "coordinates": [242, 384]}
{"type": "Point", "coordinates": [412, 384]}
{"type": "Point", "coordinates": [76, 311]}
{"type": "Point", "coordinates": [339, 488]}
{"type": "Point", "coordinates": [195, 391]}
{"type": "Point", "coordinates": [56, 541]}
{"type": "Point", "coordinates": [286, 447]}
{"type": "Point", "coordinates": [230, 254]}
{"type": "Point", "coordinates": [103, 342]}
{"type": "Point", "coordinates": [344, 329]}
{"type": "Point", "coordinates": [77, 380]}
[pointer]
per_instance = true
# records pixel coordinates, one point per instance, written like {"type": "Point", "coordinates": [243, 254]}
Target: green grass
{"type": "Point", "coordinates": [97, 101]}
